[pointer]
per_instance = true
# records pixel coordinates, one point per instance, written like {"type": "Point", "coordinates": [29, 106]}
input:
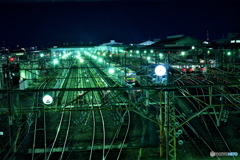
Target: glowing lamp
{"type": "Point", "coordinates": [55, 61]}
{"type": "Point", "coordinates": [160, 70]}
{"type": "Point", "coordinates": [111, 71]}
{"type": "Point", "coordinates": [47, 99]}
{"type": "Point", "coordinates": [182, 53]}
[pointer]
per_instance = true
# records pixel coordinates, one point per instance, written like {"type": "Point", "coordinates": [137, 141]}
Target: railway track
{"type": "Point", "coordinates": [39, 127]}
{"type": "Point", "coordinates": [64, 126]}
{"type": "Point", "coordinates": [98, 136]}
{"type": "Point", "coordinates": [123, 123]}
{"type": "Point", "coordinates": [195, 103]}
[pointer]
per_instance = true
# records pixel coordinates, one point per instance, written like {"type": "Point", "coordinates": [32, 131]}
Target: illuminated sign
{"type": "Point", "coordinates": [19, 54]}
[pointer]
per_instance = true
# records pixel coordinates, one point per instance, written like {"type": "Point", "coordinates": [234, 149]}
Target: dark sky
{"type": "Point", "coordinates": [52, 22]}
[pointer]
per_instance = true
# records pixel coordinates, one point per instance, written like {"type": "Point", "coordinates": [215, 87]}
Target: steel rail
{"type": "Point", "coordinates": [185, 132]}
{"type": "Point", "coordinates": [69, 122]}
{"type": "Point", "coordinates": [217, 130]}
{"type": "Point", "coordinates": [95, 96]}
{"type": "Point", "coordinates": [156, 87]}
{"type": "Point", "coordinates": [59, 126]}
{"type": "Point", "coordinates": [42, 85]}
{"type": "Point", "coordinates": [93, 119]}
{"type": "Point", "coordinates": [204, 121]}
{"type": "Point", "coordinates": [9, 151]}
{"type": "Point", "coordinates": [129, 121]}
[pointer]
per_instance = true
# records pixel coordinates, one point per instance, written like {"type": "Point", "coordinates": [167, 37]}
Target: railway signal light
{"type": "Point", "coordinates": [55, 61]}
{"type": "Point", "coordinates": [12, 59]}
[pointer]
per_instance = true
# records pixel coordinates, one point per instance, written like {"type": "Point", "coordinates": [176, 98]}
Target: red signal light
{"type": "Point", "coordinates": [11, 59]}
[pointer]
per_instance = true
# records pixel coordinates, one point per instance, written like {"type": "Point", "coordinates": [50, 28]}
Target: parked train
{"type": "Point", "coordinates": [130, 77]}
{"type": "Point", "coordinates": [188, 69]}
{"type": "Point", "coordinates": [125, 76]}
{"type": "Point", "coordinates": [194, 67]}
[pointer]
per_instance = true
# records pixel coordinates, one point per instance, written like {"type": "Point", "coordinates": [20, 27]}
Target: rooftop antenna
{"type": "Point", "coordinates": [207, 36]}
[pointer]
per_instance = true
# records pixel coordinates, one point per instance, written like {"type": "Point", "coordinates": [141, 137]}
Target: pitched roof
{"type": "Point", "coordinates": [145, 41]}
{"type": "Point", "coordinates": [171, 42]}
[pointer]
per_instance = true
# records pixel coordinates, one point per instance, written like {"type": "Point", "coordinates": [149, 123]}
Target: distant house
{"type": "Point", "coordinates": [232, 41]}
{"type": "Point", "coordinates": [178, 41]}
{"type": "Point", "coordinates": [111, 43]}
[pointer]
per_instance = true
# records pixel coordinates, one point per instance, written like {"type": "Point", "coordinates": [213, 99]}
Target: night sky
{"type": "Point", "coordinates": [52, 22]}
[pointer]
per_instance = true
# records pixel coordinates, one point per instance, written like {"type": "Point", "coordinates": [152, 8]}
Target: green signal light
{"type": "Point", "coordinates": [55, 61]}
{"type": "Point", "coordinates": [183, 53]}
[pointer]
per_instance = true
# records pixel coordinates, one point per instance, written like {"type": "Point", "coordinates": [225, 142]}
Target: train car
{"type": "Point", "coordinates": [190, 69]}
{"type": "Point", "coordinates": [183, 70]}
{"type": "Point", "coordinates": [196, 69]}
{"type": "Point", "coordinates": [130, 76]}
{"type": "Point", "coordinates": [200, 68]}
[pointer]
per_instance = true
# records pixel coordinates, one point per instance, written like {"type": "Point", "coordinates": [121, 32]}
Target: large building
{"type": "Point", "coordinates": [111, 43]}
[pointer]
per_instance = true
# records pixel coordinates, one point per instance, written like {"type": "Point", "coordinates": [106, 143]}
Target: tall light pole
{"type": "Point", "coordinates": [167, 116]}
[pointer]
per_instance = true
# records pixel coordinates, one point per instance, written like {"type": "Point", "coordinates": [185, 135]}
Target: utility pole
{"type": "Point", "coordinates": [170, 131]}
{"type": "Point", "coordinates": [167, 120]}
{"type": "Point", "coordinates": [10, 117]}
